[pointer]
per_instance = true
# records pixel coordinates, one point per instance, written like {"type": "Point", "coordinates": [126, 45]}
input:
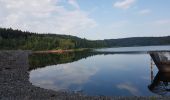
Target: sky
{"type": "Point", "coordinates": [91, 19]}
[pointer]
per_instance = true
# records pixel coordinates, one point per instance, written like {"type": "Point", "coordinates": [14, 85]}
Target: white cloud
{"type": "Point", "coordinates": [124, 4]}
{"type": "Point", "coordinates": [145, 12]}
{"type": "Point", "coordinates": [74, 3]}
{"type": "Point", "coordinates": [129, 87]}
{"type": "Point", "coordinates": [44, 16]}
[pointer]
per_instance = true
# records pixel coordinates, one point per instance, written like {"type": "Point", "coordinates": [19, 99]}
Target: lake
{"type": "Point", "coordinates": [106, 72]}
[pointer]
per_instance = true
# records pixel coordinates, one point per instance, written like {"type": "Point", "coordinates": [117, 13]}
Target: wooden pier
{"type": "Point", "coordinates": [162, 60]}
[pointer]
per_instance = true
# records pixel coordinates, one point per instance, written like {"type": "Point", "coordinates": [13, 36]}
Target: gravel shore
{"type": "Point", "coordinates": [15, 85]}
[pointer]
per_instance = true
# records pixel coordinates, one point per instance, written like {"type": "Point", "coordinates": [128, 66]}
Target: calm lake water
{"type": "Point", "coordinates": [97, 73]}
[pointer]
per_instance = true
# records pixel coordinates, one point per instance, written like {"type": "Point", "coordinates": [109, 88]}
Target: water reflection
{"type": "Point", "coordinates": [38, 60]}
{"type": "Point", "coordinates": [161, 82]}
{"type": "Point", "coordinates": [62, 77]}
{"type": "Point", "coordinates": [100, 73]}
{"type": "Point", "coordinates": [57, 76]}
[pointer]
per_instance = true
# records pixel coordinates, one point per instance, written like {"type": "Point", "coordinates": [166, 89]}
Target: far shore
{"type": "Point", "coordinates": [60, 51]}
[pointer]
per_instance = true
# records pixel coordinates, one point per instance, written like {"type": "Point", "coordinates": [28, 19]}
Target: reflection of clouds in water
{"type": "Point", "coordinates": [61, 77]}
{"type": "Point", "coordinates": [92, 74]}
{"type": "Point", "coordinates": [129, 87]}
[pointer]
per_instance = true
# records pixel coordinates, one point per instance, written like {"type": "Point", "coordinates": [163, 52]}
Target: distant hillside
{"type": "Point", "coordinates": [15, 39]}
{"type": "Point", "coordinates": [139, 41]}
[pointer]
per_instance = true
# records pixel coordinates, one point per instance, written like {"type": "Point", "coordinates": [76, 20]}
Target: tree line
{"type": "Point", "coordinates": [15, 39]}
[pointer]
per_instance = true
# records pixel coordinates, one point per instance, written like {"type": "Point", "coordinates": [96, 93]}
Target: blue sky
{"type": "Point", "coordinates": [91, 19]}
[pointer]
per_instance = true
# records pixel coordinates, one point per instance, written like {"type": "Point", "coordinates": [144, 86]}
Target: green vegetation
{"type": "Point", "coordinates": [15, 39]}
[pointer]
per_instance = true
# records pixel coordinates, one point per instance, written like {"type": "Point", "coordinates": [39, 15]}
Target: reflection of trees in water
{"type": "Point", "coordinates": [161, 82]}
{"type": "Point", "coordinates": [45, 59]}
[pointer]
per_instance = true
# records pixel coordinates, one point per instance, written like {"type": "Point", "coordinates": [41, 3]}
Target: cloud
{"type": "Point", "coordinates": [129, 87]}
{"type": "Point", "coordinates": [124, 4]}
{"type": "Point", "coordinates": [44, 16]}
{"type": "Point", "coordinates": [74, 3]}
{"type": "Point", "coordinates": [145, 12]}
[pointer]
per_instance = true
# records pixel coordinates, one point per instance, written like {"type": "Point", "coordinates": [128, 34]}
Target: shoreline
{"type": "Point", "coordinates": [63, 51]}
{"type": "Point", "coordinates": [15, 85]}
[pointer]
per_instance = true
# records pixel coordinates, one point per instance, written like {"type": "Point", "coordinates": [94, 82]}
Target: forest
{"type": "Point", "coordinates": [22, 40]}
